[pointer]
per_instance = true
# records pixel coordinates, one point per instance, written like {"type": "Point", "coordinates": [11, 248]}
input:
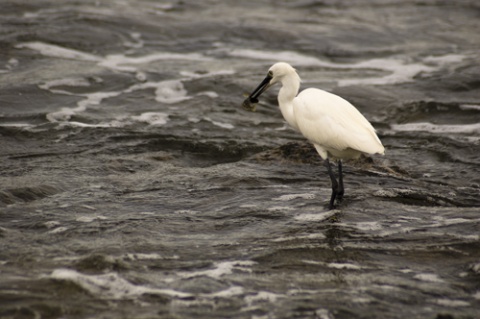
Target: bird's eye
{"type": "Point", "coordinates": [270, 74]}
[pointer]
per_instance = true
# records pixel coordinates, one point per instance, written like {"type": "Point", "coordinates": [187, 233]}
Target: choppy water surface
{"type": "Point", "coordinates": [133, 184]}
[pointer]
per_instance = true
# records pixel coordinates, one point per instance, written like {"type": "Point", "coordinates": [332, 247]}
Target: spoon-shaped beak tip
{"type": "Point", "coordinates": [250, 104]}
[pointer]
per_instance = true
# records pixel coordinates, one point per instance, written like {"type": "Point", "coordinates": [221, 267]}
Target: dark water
{"type": "Point", "coordinates": [133, 184]}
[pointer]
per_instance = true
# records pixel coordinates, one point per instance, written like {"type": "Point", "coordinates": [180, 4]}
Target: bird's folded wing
{"type": "Point", "coordinates": [330, 121]}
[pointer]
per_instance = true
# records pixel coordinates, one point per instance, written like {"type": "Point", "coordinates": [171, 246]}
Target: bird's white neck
{"type": "Point", "coordinates": [289, 90]}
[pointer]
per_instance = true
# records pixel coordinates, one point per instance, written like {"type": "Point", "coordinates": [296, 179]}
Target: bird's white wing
{"type": "Point", "coordinates": [332, 122]}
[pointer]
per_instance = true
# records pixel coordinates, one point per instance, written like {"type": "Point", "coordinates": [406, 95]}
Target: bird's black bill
{"type": "Point", "coordinates": [260, 89]}
{"type": "Point", "coordinates": [252, 99]}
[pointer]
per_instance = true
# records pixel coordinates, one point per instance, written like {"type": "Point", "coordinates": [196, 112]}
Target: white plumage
{"type": "Point", "coordinates": [334, 126]}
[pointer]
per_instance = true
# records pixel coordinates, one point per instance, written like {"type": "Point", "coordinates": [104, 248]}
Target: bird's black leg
{"type": "Point", "coordinates": [334, 184]}
{"type": "Point", "coordinates": [340, 190]}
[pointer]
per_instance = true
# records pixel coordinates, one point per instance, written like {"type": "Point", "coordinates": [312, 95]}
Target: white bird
{"type": "Point", "coordinates": [333, 125]}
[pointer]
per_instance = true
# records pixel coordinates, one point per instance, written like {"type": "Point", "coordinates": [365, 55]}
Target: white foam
{"type": "Point", "coordinates": [438, 129]}
{"type": "Point", "coordinates": [429, 278]}
{"type": "Point", "coordinates": [290, 197]}
{"type": "Point", "coordinates": [408, 218]}
{"type": "Point", "coordinates": [348, 266]}
{"type": "Point", "coordinates": [152, 256]}
{"type": "Point", "coordinates": [315, 217]}
{"type": "Point", "coordinates": [452, 303]}
{"type": "Point", "coordinates": [58, 230]}
{"type": "Point", "coordinates": [368, 226]}
{"type": "Point", "coordinates": [51, 224]}
{"type": "Point", "coordinates": [323, 314]}
{"type": "Point", "coordinates": [441, 221]}
{"type": "Point", "coordinates": [168, 92]}
{"type": "Point", "coordinates": [89, 207]}
{"type": "Point", "coordinates": [63, 124]}
{"type": "Point", "coordinates": [300, 237]}
{"type": "Point", "coordinates": [124, 63]}
{"type": "Point", "coordinates": [81, 82]}
{"type": "Point", "coordinates": [227, 293]}
{"type": "Point", "coordinates": [474, 107]}
{"type": "Point", "coordinates": [287, 56]}
{"type": "Point", "coordinates": [65, 113]}
{"type": "Point", "coordinates": [171, 91]}
{"type": "Point", "coordinates": [406, 271]}
{"type": "Point", "coordinates": [444, 59]}
{"type": "Point", "coordinates": [362, 300]}
{"type": "Point", "coordinates": [262, 296]}
{"type": "Point", "coordinates": [194, 75]}
{"type": "Point", "coordinates": [187, 212]}
{"type": "Point", "coordinates": [19, 125]}
{"type": "Point", "coordinates": [221, 269]}
{"type": "Point", "coordinates": [400, 70]}
{"type": "Point", "coordinates": [117, 62]}
{"type": "Point", "coordinates": [475, 268]}
{"type": "Point", "coordinates": [210, 94]}
{"type": "Point", "coordinates": [227, 126]}
{"type": "Point", "coordinates": [164, 6]}
{"type": "Point", "coordinates": [96, 98]}
{"type": "Point", "coordinates": [136, 43]}
{"type": "Point", "coordinates": [279, 208]}
{"type": "Point", "coordinates": [11, 64]}
{"type": "Point", "coordinates": [152, 118]}
{"type": "Point", "coordinates": [111, 285]}
{"type": "Point", "coordinates": [89, 219]}
{"type": "Point", "coordinates": [57, 51]}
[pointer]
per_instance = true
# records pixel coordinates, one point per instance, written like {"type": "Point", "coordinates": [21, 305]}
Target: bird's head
{"type": "Point", "coordinates": [275, 74]}
{"type": "Point", "coordinates": [280, 70]}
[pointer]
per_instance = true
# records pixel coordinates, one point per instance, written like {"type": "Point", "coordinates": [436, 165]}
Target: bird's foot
{"type": "Point", "coordinates": [339, 197]}
{"type": "Point", "coordinates": [335, 203]}
{"type": "Point", "coordinates": [332, 206]}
